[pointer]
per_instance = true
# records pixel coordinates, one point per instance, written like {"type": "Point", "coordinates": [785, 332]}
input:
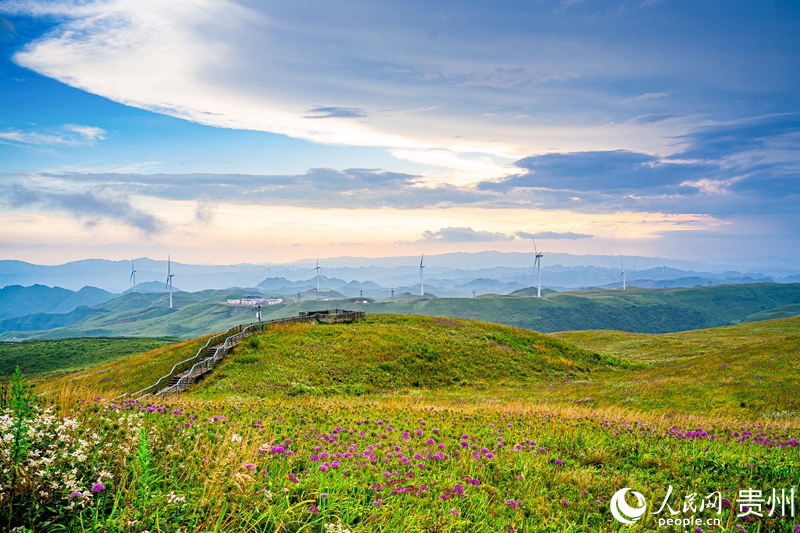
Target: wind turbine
{"type": "Point", "coordinates": [133, 276]}
{"type": "Point", "coordinates": [421, 277]}
{"type": "Point", "coordinates": [537, 265]}
{"type": "Point", "coordinates": [624, 274]}
{"type": "Point", "coordinates": [317, 268]}
{"type": "Point", "coordinates": [169, 280]}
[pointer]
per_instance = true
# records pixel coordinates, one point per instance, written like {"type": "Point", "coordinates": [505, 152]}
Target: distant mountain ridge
{"type": "Point", "coordinates": [18, 301]}
{"type": "Point", "coordinates": [449, 273]}
{"type": "Point", "coordinates": [635, 310]}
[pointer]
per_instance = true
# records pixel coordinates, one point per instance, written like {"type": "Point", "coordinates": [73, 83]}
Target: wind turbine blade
{"type": "Point", "coordinates": [421, 259]}
{"type": "Point", "coordinates": [535, 250]}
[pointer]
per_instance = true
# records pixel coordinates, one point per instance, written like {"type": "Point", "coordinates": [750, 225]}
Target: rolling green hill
{"type": "Point", "coordinates": [384, 353]}
{"type": "Point", "coordinates": [391, 352]}
{"type": "Point", "coordinates": [69, 355]}
{"type": "Point", "coordinates": [748, 370]}
{"type": "Point", "coordinates": [636, 310]}
{"type": "Point", "coordinates": [18, 301]}
{"type": "Point", "coordinates": [751, 368]}
{"type": "Point", "coordinates": [144, 315]}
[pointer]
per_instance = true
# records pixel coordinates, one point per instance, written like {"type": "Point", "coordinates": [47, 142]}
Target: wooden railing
{"type": "Point", "coordinates": [188, 370]}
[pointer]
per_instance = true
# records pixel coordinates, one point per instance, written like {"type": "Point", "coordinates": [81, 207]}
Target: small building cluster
{"type": "Point", "coordinates": [255, 300]}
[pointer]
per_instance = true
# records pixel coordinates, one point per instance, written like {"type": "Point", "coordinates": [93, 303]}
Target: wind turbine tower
{"type": "Point", "coordinates": [133, 276]}
{"type": "Point", "coordinates": [421, 276]}
{"type": "Point", "coordinates": [317, 268]}
{"type": "Point", "coordinates": [537, 265]}
{"type": "Point", "coordinates": [169, 280]}
{"type": "Point", "coordinates": [624, 274]}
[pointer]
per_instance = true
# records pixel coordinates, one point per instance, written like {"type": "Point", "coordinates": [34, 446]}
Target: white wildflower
{"type": "Point", "coordinates": [336, 528]}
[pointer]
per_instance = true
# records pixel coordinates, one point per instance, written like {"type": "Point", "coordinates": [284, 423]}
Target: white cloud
{"type": "Point", "coordinates": [650, 96]}
{"type": "Point", "coordinates": [263, 67]}
{"type": "Point", "coordinates": [66, 135]}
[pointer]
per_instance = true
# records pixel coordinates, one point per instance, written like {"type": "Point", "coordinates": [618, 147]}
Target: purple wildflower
{"type": "Point", "coordinates": [98, 487]}
{"type": "Point", "coordinates": [455, 512]}
{"type": "Point", "coordinates": [514, 504]}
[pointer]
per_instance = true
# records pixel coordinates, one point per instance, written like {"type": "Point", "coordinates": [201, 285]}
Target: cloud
{"type": "Point", "coordinates": [66, 135]}
{"type": "Point", "coordinates": [457, 235]}
{"type": "Point", "coordinates": [747, 167]}
{"type": "Point", "coordinates": [336, 112]}
{"type": "Point", "coordinates": [744, 167]}
{"type": "Point", "coordinates": [319, 187]}
{"type": "Point", "coordinates": [205, 211]}
{"type": "Point", "coordinates": [657, 117]}
{"type": "Point", "coordinates": [612, 171]}
{"type": "Point", "coordinates": [778, 133]}
{"type": "Point", "coordinates": [545, 235]}
{"type": "Point", "coordinates": [277, 68]}
{"type": "Point", "coordinates": [650, 96]}
{"type": "Point", "coordinates": [89, 206]}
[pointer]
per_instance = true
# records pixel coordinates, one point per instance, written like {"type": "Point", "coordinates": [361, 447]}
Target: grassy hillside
{"type": "Point", "coordinates": [535, 435]}
{"type": "Point", "coordinates": [148, 315]}
{"type": "Point", "coordinates": [637, 310]}
{"type": "Point", "coordinates": [749, 369]}
{"type": "Point", "coordinates": [46, 321]}
{"type": "Point", "coordinates": [69, 355]}
{"type": "Point", "coordinates": [783, 311]}
{"type": "Point", "coordinates": [389, 353]}
{"type": "Point", "coordinates": [129, 374]}
{"type": "Point", "coordinates": [16, 300]}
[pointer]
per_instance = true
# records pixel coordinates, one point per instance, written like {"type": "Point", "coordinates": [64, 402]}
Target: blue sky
{"type": "Point", "coordinates": [284, 130]}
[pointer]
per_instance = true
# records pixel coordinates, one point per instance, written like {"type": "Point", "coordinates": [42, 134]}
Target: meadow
{"type": "Point", "coordinates": [44, 358]}
{"type": "Point", "coordinates": [302, 429]}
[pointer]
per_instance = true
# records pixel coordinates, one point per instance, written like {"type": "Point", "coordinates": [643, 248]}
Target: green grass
{"type": "Point", "coordinates": [132, 373]}
{"type": "Point", "coordinates": [744, 370]}
{"type": "Point", "coordinates": [70, 355]}
{"type": "Point", "coordinates": [392, 353]}
{"type": "Point", "coordinates": [306, 427]}
{"type": "Point", "coordinates": [145, 315]}
{"type": "Point", "coordinates": [783, 311]}
{"type": "Point", "coordinates": [636, 310]}
{"type": "Point", "coordinates": [371, 464]}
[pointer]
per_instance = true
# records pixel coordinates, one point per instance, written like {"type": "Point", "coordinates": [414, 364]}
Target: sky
{"type": "Point", "coordinates": [229, 131]}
